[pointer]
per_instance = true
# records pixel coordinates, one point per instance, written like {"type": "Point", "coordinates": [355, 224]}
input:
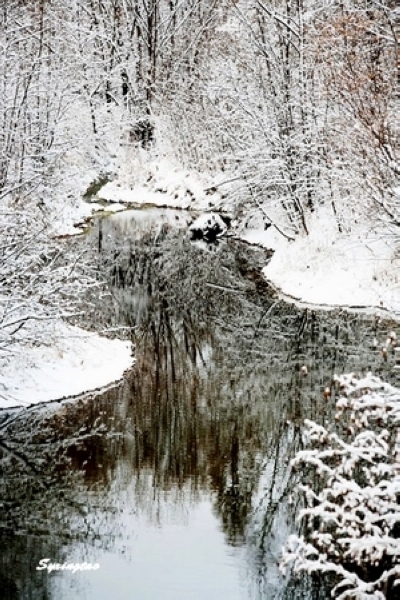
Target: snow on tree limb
{"type": "Point", "coordinates": [351, 516]}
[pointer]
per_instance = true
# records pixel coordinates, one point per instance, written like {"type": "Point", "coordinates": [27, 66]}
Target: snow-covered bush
{"type": "Point", "coordinates": [351, 518]}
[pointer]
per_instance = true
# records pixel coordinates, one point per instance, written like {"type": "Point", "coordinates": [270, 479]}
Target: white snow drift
{"type": "Point", "coordinates": [72, 362]}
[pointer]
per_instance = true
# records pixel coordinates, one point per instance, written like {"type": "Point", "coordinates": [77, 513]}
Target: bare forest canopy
{"type": "Point", "coordinates": [294, 97]}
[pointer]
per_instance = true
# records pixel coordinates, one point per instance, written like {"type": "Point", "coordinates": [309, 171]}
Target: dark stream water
{"type": "Point", "coordinates": [176, 482]}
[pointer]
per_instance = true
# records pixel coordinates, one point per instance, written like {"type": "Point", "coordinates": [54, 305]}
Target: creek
{"type": "Point", "coordinates": [177, 481]}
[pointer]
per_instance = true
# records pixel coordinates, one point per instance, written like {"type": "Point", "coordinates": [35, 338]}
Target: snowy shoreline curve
{"type": "Point", "coordinates": [325, 270]}
{"type": "Point", "coordinates": [73, 363]}
{"type": "Point", "coordinates": [329, 270]}
{"type": "Point", "coordinates": [380, 311]}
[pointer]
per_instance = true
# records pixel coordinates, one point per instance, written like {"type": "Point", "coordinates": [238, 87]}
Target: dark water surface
{"type": "Point", "coordinates": [176, 482]}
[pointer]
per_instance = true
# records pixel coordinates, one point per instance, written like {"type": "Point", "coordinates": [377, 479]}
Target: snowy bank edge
{"type": "Point", "coordinates": [79, 364]}
{"type": "Point", "coordinates": [338, 288]}
{"type": "Point", "coordinates": [380, 311]}
{"type": "Point", "coordinates": [87, 395]}
{"type": "Point", "coordinates": [142, 197]}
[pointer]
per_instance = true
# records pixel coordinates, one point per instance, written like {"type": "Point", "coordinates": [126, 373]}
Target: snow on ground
{"type": "Point", "coordinates": [328, 269]}
{"type": "Point", "coordinates": [48, 359]}
{"type": "Point", "coordinates": [73, 361]}
{"type": "Point", "coordinates": [162, 183]}
{"type": "Point", "coordinates": [142, 181]}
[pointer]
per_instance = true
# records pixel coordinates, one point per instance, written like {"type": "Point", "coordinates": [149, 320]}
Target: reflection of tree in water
{"type": "Point", "coordinates": [219, 362]}
{"type": "Point", "coordinates": [63, 481]}
{"type": "Point", "coordinates": [201, 426]}
{"type": "Point", "coordinates": [188, 431]}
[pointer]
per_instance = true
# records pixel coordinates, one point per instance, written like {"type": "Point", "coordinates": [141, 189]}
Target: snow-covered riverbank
{"type": "Point", "coordinates": [357, 270]}
{"type": "Point", "coordinates": [326, 269]}
{"type": "Point", "coordinates": [72, 362]}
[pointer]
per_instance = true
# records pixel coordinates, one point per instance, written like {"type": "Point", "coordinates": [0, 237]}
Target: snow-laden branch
{"type": "Point", "coordinates": [351, 516]}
